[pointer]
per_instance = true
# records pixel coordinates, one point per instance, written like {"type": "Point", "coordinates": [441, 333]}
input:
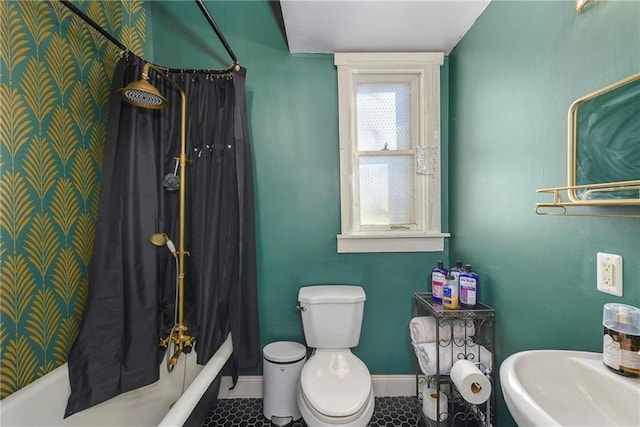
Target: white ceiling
{"type": "Point", "coordinates": [328, 26]}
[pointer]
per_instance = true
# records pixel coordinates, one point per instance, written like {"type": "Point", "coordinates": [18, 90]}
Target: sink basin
{"type": "Point", "coordinates": [567, 388]}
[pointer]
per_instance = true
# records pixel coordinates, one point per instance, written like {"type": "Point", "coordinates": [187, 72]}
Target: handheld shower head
{"type": "Point", "coordinates": [161, 239]}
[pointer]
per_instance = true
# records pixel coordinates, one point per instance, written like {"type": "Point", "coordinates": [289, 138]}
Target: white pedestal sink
{"type": "Point", "coordinates": [568, 388]}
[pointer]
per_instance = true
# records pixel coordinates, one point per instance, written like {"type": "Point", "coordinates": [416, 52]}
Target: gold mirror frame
{"type": "Point", "coordinates": [573, 187]}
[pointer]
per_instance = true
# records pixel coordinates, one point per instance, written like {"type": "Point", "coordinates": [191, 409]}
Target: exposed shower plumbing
{"type": "Point", "coordinates": [144, 94]}
{"type": "Point", "coordinates": [162, 239]}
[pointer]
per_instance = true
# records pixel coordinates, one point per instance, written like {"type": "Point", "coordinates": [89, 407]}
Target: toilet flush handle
{"type": "Point", "coordinates": [301, 307]}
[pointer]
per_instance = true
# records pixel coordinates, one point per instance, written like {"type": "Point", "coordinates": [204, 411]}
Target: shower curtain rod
{"type": "Point", "coordinates": [115, 41]}
{"type": "Point", "coordinates": [213, 24]}
{"type": "Point", "coordinates": [93, 24]}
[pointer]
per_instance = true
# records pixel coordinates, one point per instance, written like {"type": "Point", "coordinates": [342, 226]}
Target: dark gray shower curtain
{"type": "Point", "coordinates": [130, 303]}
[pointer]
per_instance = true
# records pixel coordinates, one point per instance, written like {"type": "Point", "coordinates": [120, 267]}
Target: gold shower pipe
{"type": "Point", "coordinates": [145, 95]}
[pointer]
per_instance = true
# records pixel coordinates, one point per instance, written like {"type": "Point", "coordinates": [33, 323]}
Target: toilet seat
{"type": "Point", "coordinates": [361, 417]}
{"type": "Point", "coordinates": [336, 384]}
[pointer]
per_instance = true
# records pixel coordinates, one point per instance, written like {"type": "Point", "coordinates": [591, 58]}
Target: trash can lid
{"type": "Point", "coordinates": [284, 351]}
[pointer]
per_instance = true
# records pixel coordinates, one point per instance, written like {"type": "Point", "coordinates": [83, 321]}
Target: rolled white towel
{"type": "Point", "coordinates": [423, 329]}
{"type": "Point", "coordinates": [426, 355]}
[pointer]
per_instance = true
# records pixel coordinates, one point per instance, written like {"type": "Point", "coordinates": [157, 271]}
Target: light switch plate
{"type": "Point", "coordinates": [609, 273]}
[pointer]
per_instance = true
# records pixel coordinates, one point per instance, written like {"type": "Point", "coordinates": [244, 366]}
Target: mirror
{"type": "Point", "coordinates": [604, 145]}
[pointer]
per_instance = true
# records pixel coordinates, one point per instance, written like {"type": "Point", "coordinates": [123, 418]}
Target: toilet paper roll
{"type": "Point", "coordinates": [474, 387]}
{"type": "Point", "coordinates": [431, 407]}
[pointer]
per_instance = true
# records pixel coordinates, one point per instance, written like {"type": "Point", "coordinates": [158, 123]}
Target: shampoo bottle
{"type": "Point", "coordinates": [456, 270]}
{"type": "Point", "coordinates": [450, 294]}
{"type": "Point", "coordinates": [438, 279]}
{"type": "Point", "coordinates": [468, 286]}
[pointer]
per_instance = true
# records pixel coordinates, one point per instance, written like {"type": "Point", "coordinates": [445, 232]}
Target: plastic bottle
{"type": "Point", "coordinates": [438, 280]}
{"type": "Point", "coordinates": [450, 293]}
{"type": "Point", "coordinates": [456, 270]}
{"type": "Point", "coordinates": [621, 340]}
{"type": "Point", "coordinates": [468, 286]}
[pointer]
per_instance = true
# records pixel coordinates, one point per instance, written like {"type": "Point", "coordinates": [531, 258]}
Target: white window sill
{"type": "Point", "coordinates": [391, 242]}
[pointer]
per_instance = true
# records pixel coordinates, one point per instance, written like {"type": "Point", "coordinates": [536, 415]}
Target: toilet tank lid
{"type": "Point", "coordinates": [326, 294]}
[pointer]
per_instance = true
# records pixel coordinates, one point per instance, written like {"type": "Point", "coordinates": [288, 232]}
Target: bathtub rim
{"type": "Point", "coordinates": [183, 407]}
{"type": "Point", "coordinates": [176, 416]}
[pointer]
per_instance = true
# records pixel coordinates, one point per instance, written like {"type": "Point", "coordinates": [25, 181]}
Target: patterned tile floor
{"type": "Point", "coordinates": [388, 412]}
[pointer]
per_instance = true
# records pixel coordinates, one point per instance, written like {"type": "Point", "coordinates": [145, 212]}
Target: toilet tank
{"type": "Point", "coordinates": [331, 315]}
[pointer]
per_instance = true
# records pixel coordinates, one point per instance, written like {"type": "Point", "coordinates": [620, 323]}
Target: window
{"type": "Point", "coordinates": [389, 107]}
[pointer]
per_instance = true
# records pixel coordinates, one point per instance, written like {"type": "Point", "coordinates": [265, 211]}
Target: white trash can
{"type": "Point", "coordinates": [283, 362]}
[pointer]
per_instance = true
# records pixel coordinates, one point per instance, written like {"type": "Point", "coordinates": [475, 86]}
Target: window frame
{"type": "Point", "coordinates": [357, 154]}
{"type": "Point", "coordinates": [354, 68]}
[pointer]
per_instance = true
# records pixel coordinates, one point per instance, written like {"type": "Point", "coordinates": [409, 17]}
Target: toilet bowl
{"type": "Point", "coordinates": [335, 385]}
{"type": "Point", "coordinates": [335, 390]}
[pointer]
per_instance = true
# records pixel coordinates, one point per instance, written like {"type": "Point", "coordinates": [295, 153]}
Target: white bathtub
{"type": "Point", "coordinates": [42, 403]}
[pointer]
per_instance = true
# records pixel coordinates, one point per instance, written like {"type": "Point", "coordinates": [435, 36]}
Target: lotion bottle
{"type": "Point", "coordinates": [450, 294]}
{"type": "Point", "coordinates": [621, 340]}
{"type": "Point", "coordinates": [438, 280]}
{"type": "Point", "coordinates": [468, 286]}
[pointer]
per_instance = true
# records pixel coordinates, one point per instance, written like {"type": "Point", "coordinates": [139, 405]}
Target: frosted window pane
{"type": "Point", "coordinates": [384, 113]}
{"type": "Point", "coordinates": [387, 190]}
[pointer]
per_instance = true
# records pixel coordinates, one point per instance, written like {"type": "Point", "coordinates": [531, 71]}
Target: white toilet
{"type": "Point", "coordinates": [335, 386]}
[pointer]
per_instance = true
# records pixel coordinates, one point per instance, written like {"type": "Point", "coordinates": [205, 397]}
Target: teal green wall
{"type": "Point", "coordinates": [513, 77]}
{"type": "Point", "coordinates": [293, 121]}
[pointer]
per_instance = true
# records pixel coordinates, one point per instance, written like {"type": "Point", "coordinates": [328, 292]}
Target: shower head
{"type": "Point", "coordinates": [161, 239]}
{"type": "Point", "coordinates": [143, 94]}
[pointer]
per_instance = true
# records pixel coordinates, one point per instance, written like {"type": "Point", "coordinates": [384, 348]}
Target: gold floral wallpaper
{"type": "Point", "coordinates": [55, 78]}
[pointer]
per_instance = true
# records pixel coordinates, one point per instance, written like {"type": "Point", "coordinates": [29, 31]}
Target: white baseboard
{"type": "Point", "coordinates": [250, 386]}
{"type": "Point", "coordinates": [247, 386]}
{"type": "Point", "coordinates": [393, 385]}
